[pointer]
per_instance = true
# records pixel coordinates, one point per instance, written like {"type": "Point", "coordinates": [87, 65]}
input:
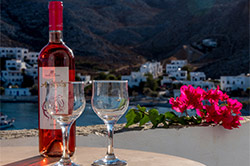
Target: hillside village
{"type": "Point", "coordinates": [19, 76]}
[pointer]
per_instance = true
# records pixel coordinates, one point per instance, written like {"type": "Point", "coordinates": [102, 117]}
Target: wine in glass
{"type": "Point", "coordinates": [110, 101]}
{"type": "Point", "coordinates": [64, 102]}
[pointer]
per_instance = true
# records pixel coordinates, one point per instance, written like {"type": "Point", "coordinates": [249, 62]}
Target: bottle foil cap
{"type": "Point", "coordinates": [55, 15]}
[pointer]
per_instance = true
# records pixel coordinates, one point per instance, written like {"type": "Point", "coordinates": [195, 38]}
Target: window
{"type": "Point", "coordinates": [32, 55]}
{"type": "Point", "coordinates": [18, 50]}
{"type": "Point", "coordinates": [227, 82]}
{"type": "Point", "coordinates": [17, 80]}
{"type": "Point", "coordinates": [13, 74]}
{"type": "Point", "coordinates": [233, 82]}
{"type": "Point", "coordinates": [241, 82]}
{"type": "Point", "coordinates": [25, 52]}
{"type": "Point", "coordinates": [11, 51]}
{"type": "Point", "coordinates": [5, 74]}
{"type": "Point", "coordinates": [3, 50]}
{"type": "Point", "coordinates": [35, 73]}
{"type": "Point", "coordinates": [182, 74]}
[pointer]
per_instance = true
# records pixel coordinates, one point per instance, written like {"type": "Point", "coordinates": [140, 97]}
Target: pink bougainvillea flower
{"type": "Point", "coordinates": [178, 105]}
{"type": "Point", "coordinates": [214, 95]}
{"type": "Point", "coordinates": [192, 97]}
{"type": "Point", "coordinates": [213, 105]}
{"type": "Point", "coordinates": [235, 106]}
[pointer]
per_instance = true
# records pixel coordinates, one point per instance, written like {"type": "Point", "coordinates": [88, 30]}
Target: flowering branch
{"type": "Point", "coordinates": [212, 106]}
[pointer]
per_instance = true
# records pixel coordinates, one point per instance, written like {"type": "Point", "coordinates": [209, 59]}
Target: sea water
{"type": "Point", "coordinates": [26, 115]}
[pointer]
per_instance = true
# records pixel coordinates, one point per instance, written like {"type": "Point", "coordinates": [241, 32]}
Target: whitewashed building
{"type": "Point", "coordinates": [15, 65]}
{"type": "Point", "coordinates": [19, 54]}
{"type": "Point", "coordinates": [166, 80]}
{"type": "Point", "coordinates": [175, 65]}
{"type": "Point", "coordinates": [202, 84]}
{"type": "Point", "coordinates": [32, 57]}
{"type": "Point", "coordinates": [228, 83]}
{"type": "Point", "coordinates": [179, 75]}
{"type": "Point", "coordinates": [13, 73]}
{"type": "Point", "coordinates": [16, 52]}
{"type": "Point", "coordinates": [32, 70]}
{"type": "Point", "coordinates": [22, 60]}
{"type": "Point", "coordinates": [17, 92]}
{"type": "Point", "coordinates": [197, 76]}
{"type": "Point", "coordinates": [135, 78]}
{"type": "Point", "coordinates": [154, 68]}
{"type": "Point", "coordinates": [85, 78]}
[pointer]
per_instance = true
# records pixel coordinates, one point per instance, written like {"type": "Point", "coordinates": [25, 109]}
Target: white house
{"type": "Point", "coordinates": [135, 78]}
{"type": "Point", "coordinates": [202, 84]}
{"type": "Point", "coordinates": [17, 53]}
{"type": "Point", "coordinates": [32, 57]}
{"type": "Point", "coordinates": [175, 65]}
{"type": "Point", "coordinates": [85, 78]}
{"type": "Point", "coordinates": [15, 65]}
{"type": "Point", "coordinates": [13, 73]}
{"type": "Point", "coordinates": [166, 80]}
{"type": "Point", "coordinates": [228, 83]}
{"type": "Point", "coordinates": [154, 68]}
{"type": "Point", "coordinates": [179, 75]}
{"type": "Point", "coordinates": [197, 76]}
{"type": "Point", "coordinates": [12, 77]}
{"type": "Point", "coordinates": [17, 92]}
{"type": "Point", "coordinates": [32, 70]}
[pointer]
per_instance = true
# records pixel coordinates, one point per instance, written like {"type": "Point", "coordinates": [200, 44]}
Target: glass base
{"type": "Point", "coordinates": [64, 162]}
{"type": "Point", "coordinates": [109, 160]}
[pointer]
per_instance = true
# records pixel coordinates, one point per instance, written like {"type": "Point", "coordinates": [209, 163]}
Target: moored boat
{"type": "Point", "coordinates": [5, 122]}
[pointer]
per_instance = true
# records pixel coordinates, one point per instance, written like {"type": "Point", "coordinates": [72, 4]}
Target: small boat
{"type": "Point", "coordinates": [5, 122]}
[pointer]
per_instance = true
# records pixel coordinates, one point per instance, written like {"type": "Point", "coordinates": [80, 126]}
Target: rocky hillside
{"type": "Point", "coordinates": [108, 34]}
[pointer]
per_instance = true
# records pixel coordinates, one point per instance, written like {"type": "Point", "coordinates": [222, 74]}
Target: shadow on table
{"type": "Point", "coordinates": [33, 161]}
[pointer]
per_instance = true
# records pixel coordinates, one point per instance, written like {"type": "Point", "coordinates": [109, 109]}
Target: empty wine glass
{"type": "Point", "coordinates": [110, 101]}
{"type": "Point", "coordinates": [65, 102]}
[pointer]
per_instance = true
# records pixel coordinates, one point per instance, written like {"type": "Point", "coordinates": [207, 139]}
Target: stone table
{"type": "Point", "coordinates": [28, 156]}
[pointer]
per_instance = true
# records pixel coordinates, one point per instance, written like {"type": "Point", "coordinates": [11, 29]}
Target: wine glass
{"type": "Point", "coordinates": [65, 102]}
{"type": "Point", "coordinates": [110, 101]}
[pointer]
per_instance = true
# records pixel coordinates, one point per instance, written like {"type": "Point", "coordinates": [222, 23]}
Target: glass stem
{"type": "Point", "coordinates": [65, 134]}
{"type": "Point", "coordinates": [110, 150]}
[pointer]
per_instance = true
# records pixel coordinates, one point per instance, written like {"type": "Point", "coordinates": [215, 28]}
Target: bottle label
{"type": "Point", "coordinates": [48, 74]}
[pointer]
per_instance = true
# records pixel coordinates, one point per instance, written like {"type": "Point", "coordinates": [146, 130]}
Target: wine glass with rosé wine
{"type": "Point", "coordinates": [110, 101]}
{"type": "Point", "coordinates": [65, 102]}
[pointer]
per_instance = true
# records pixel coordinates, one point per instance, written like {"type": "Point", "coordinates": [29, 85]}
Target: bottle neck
{"type": "Point", "coordinates": [55, 37]}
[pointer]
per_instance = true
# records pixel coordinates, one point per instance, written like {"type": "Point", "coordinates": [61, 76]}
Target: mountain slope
{"type": "Point", "coordinates": [109, 34]}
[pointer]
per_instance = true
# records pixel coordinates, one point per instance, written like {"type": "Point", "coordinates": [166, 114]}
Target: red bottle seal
{"type": "Point", "coordinates": [55, 15]}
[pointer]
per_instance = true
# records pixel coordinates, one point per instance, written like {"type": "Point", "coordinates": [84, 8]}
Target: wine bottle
{"type": "Point", "coordinates": [55, 63]}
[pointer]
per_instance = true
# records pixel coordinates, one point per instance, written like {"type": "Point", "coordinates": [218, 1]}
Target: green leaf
{"type": "Point", "coordinates": [144, 120]}
{"type": "Point", "coordinates": [153, 114]}
{"type": "Point", "coordinates": [182, 120]}
{"type": "Point", "coordinates": [171, 116]}
{"type": "Point", "coordinates": [130, 116]}
{"type": "Point", "coordinates": [143, 109]}
{"type": "Point", "coordinates": [138, 117]}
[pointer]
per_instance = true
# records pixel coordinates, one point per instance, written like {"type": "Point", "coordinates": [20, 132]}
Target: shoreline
{"type": "Point", "coordinates": [99, 130]}
{"type": "Point", "coordinates": [18, 99]}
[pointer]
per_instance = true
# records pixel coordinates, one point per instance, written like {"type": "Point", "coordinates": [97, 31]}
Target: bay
{"type": "Point", "coordinates": [26, 115]}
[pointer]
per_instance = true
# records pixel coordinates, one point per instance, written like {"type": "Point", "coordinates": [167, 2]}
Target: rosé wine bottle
{"type": "Point", "coordinates": [55, 63]}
